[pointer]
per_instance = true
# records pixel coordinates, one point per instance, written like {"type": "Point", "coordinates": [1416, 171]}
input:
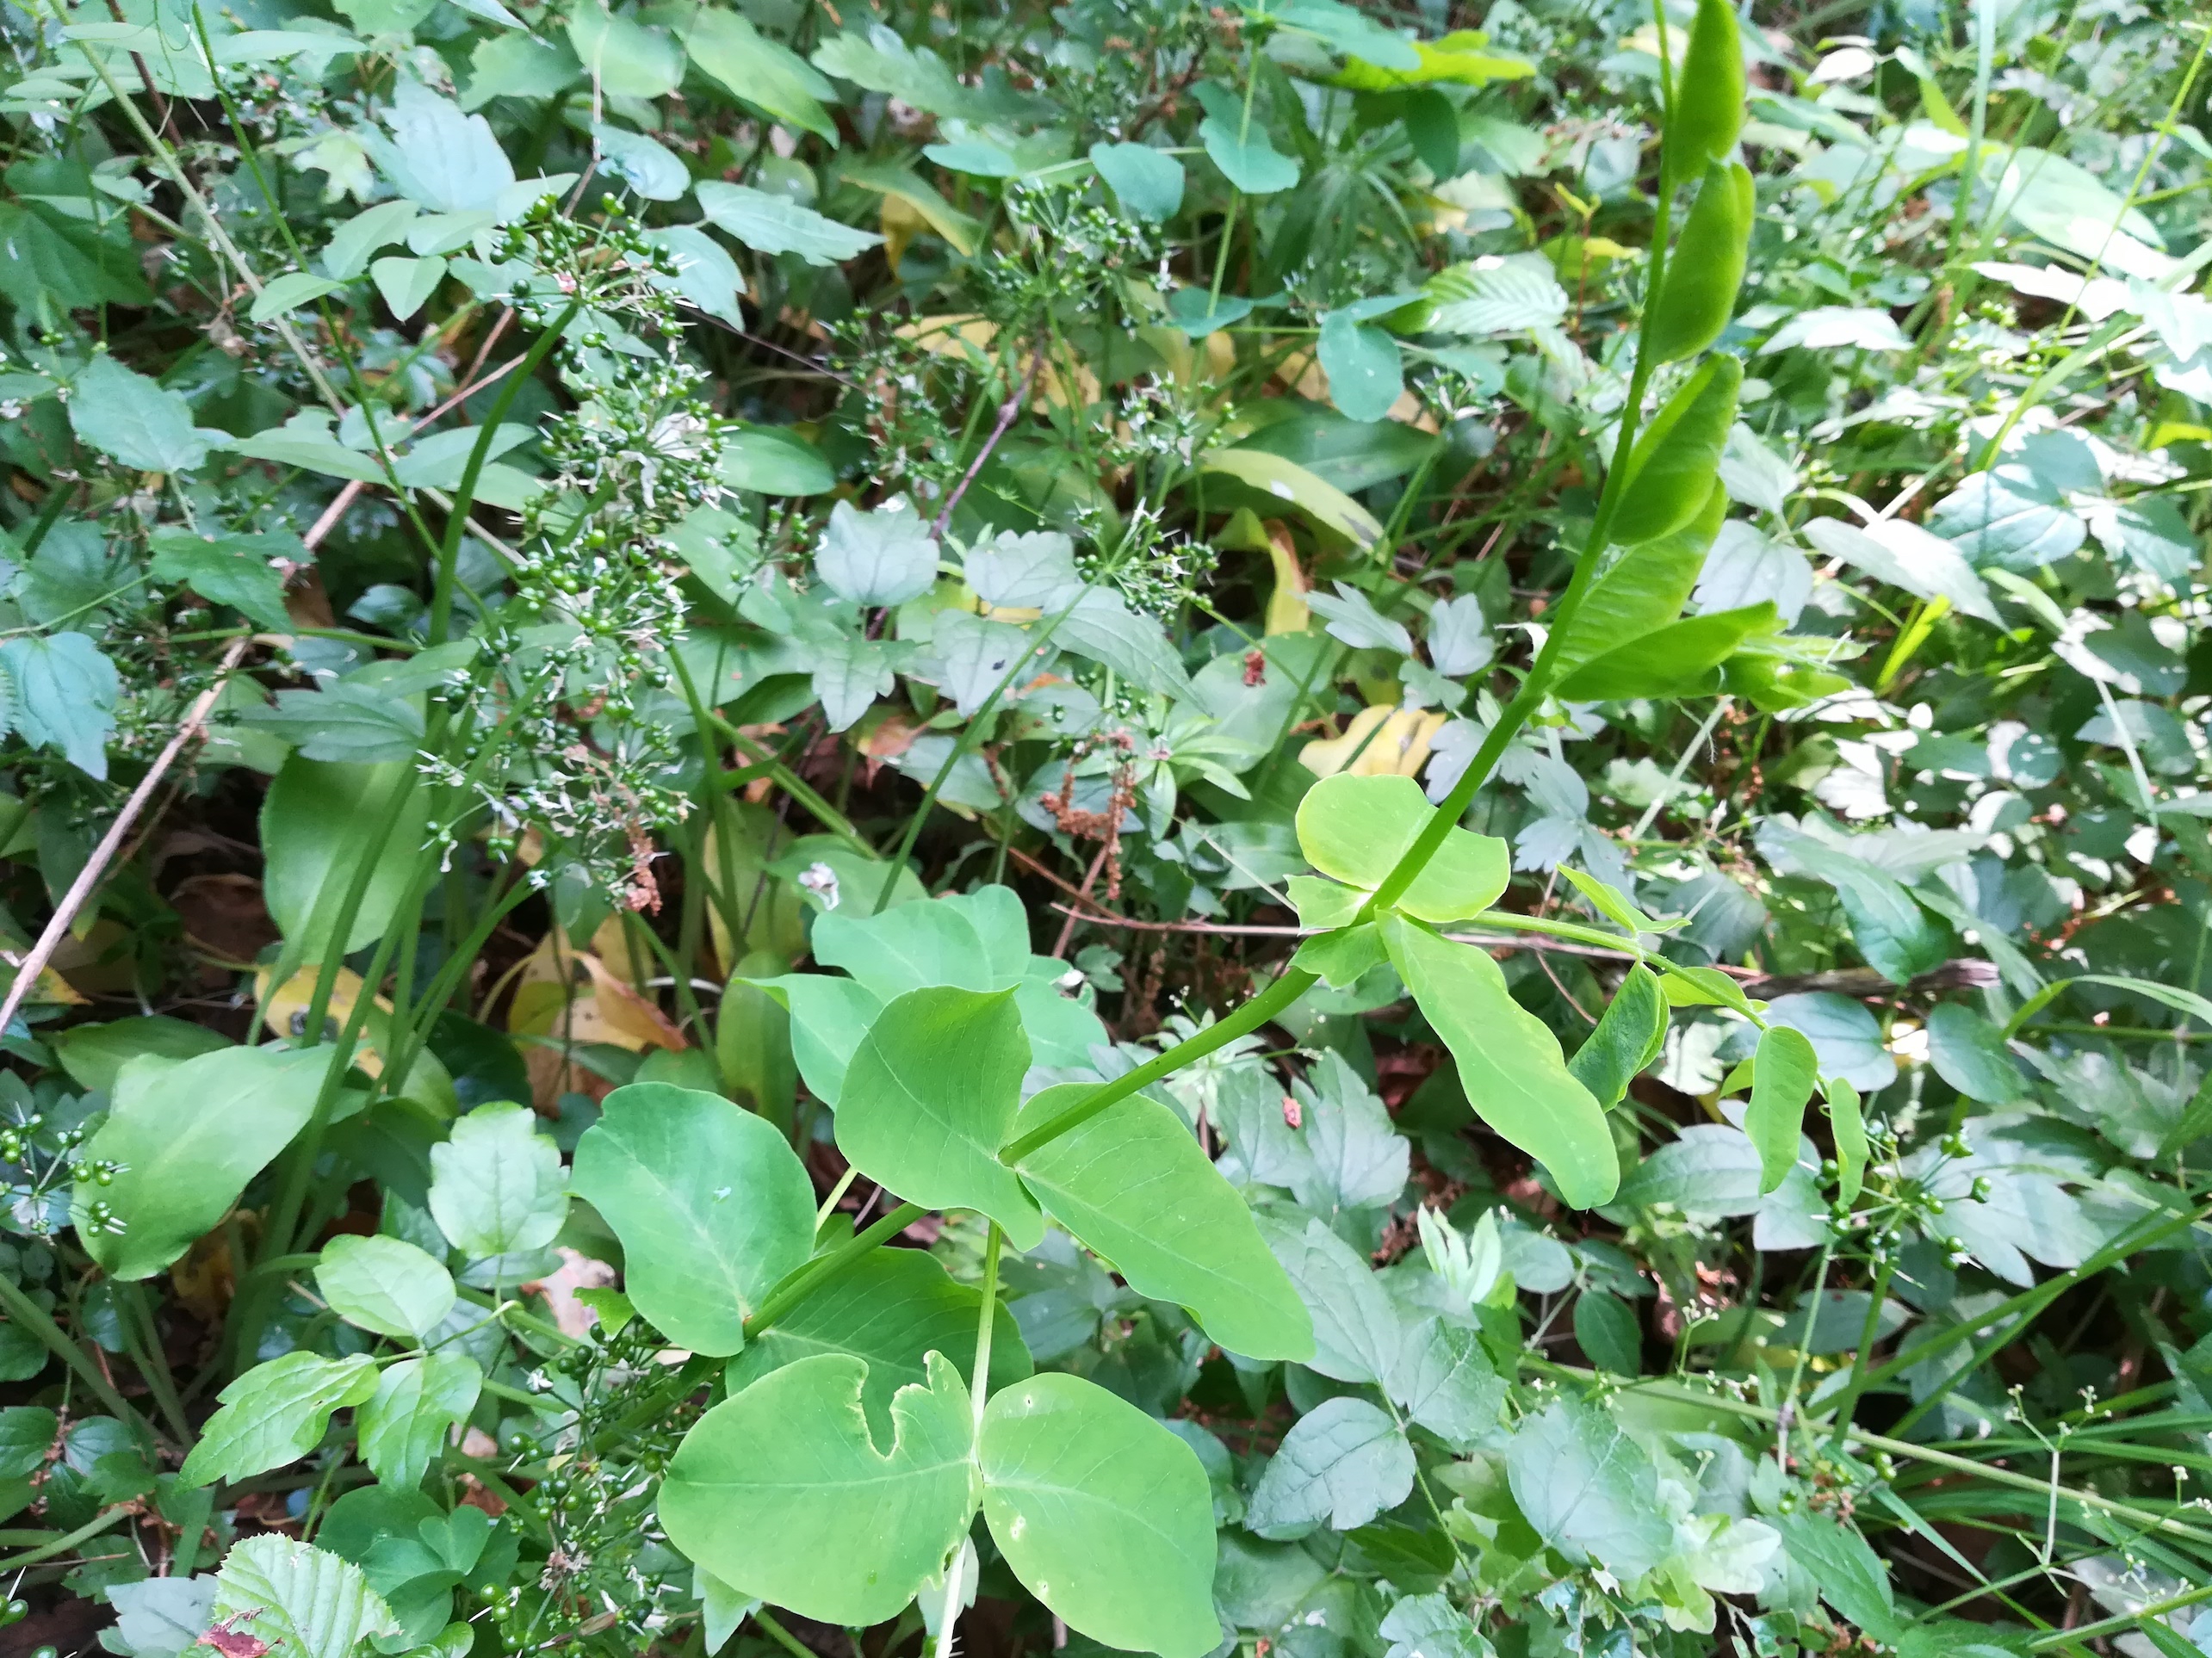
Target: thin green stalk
{"type": "Point", "coordinates": [1869, 1332]}
{"type": "Point", "coordinates": [355, 894]}
{"type": "Point", "coordinates": [26, 1314]}
{"type": "Point", "coordinates": [2148, 1519]}
{"type": "Point", "coordinates": [782, 1636]}
{"type": "Point", "coordinates": [464, 497]}
{"type": "Point", "coordinates": [284, 1216]}
{"type": "Point", "coordinates": [143, 1339]}
{"type": "Point", "coordinates": [2009, 1315]}
{"type": "Point", "coordinates": [792, 784]}
{"type": "Point", "coordinates": [448, 980]}
{"type": "Point", "coordinates": [2082, 1634]}
{"type": "Point", "coordinates": [1278, 996]}
{"type": "Point", "coordinates": [63, 1544]}
{"type": "Point", "coordinates": [978, 1394]}
{"type": "Point", "coordinates": [823, 1268]}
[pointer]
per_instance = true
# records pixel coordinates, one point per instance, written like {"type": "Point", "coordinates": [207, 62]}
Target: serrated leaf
{"type": "Point", "coordinates": [497, 1185]}
{"type": "Point", "coordinates": [1355, 1330]}
{"type": "Point", "coordinates": [884, 557]}
{"type": "Point", "coordinates": [303, 1602]}
{"type": "Point", "coordinates": [776, 224]}
{"type": "Point", "coordinates": [234, 570]}
{"type": "Point", "coordinates": [1343, 1462]}
{"type": "Point", "coordinates": [275, 1414]}
{"type": "Point", "coordinates": [135, 420]}
{"type": "Point", "coordinates": [65, 691]}
{"type": "Point", "coordinates": [1589, 1491]}
{"type": "Point", "coordinates": [406, 1421]}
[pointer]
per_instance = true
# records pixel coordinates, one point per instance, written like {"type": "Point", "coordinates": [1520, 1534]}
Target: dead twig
{"type": "Point", "coordinates": [1007, 411]}
{"type": "Point", "coordinates": [80, 890]}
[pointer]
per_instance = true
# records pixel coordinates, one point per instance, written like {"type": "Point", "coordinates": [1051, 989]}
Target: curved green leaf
{"type": "Point", "coordinates": [1357, 828]}
{"type": "Point", "coordinates": [1133, 1185]}
{"type": "Point", "coordinates": [712, 1205]}
{"type": "Point", "coordinates": [318, 823]}
{"type": "Point", "coordinates": [187, 1137]}
{"type": "Point", "coordinates": [1509, 1063]}
{"type": "Point", "coordinates": [1643, 589]}
{"type": "Point", "coordinates": [781, 1493]}
{"type": "Point", "coordinates": [1104, 1515]}
{"type": "Point", "coordinates": [385, 1284]}
{"type": "Point", "coordinates": [275, 1414]}
{"type": "Point", "coordinates": [406, 1421]}
{"type": "Point", "coordinates": [1675, 660]}
{"type": "Point", "coordinates": [929, 1098]}
{"type": "Point", "coordinates": [1783, 1077]}
{"type": "Point", "coordinates": [893, 1309]}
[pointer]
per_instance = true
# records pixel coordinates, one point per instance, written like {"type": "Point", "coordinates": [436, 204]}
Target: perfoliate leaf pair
{"type": "Point", "coordinates": [933, 1095]}
{"type": "Point", "coordinates": [1357, 829]}
{"type": "Point", "coordinates": [1104, 1514]}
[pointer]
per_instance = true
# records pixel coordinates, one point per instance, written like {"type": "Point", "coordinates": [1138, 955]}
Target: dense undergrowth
{"type": "Point", "coordinates": [721, 724]}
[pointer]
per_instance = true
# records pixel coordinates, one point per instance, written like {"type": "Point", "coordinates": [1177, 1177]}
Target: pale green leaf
{"type": "Point", "coordinates": [497, 1187]}
{"type": "Point", "coordinates": [1105, 1516]}
{"type": "Point", "coordinates": [1344, 1461]}
{"type": "Point", "coordinates": [930, 1096]}
{"type": "Point", "coordinates": [710, 1203]}
{"type": "Point", "coordinates": [406, 1422]}
{"type": "Point", "coordinates": [764, 1492]}
{"type": "Point", "coordinates": [1132, 1184]}
{"type": "Point", "coordinates": [302, 1601]}
{"type": "Point", "coordinates": [385, 1284]}
{"type": "Point", "coordinates": [1511, 1066]}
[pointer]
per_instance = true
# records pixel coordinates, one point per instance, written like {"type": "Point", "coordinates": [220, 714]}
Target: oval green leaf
{"type": "Point", "coordinates": [1357, 828]}
{"type": "Point", "coordinates": [1104, 1515]}
{"type": "Point", "coordinates": [318, 823]}
{"type": "Point", "coordinates": [1677, 660]}
{"type": "Point", "coordinates": [712, 1206]}
{"type": "Point", "coordinates": [1709, 110]}
{"type": "Point", "coordinates": [187, 1137]}
{"type": "Point", "coordinates": [929, 1098]}
{"type": "Point", "coordinates": [1509, 1063]}
{"type": "Point", "coordinates": [385, 1284]}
